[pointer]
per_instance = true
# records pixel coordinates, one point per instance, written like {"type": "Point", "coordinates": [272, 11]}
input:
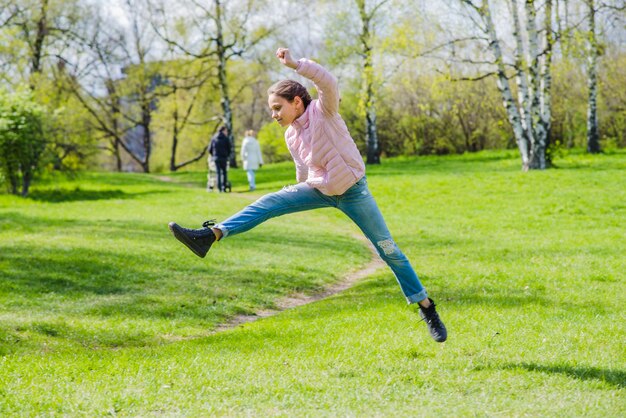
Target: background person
{"type": "Point", "coordinates": [220, 151]}
{"type": "Point", "coordinates": [330, 173]}
{"type": "Point", "coordinates": [251, 157]}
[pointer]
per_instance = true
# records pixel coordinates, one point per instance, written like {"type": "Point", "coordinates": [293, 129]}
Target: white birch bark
{"type": "Point", "coordinates": [545, 98]}
{"type": "Point", "coordinates": [531, 120]}
{"type": "Point", "coordinates": [368, 95]}
{"type": "Point", "coordinates": [593, 140]}
{"type": "Point", "coordinates": [537, 133]}
{"type": "Point", "coordinates": [523, 94]}
{"type": "Point", "coordinates": [520, 76]}
{"type": "Point", "coordinates": [223, 80]}
{"type": "Point", "coordinates": [504, 87]}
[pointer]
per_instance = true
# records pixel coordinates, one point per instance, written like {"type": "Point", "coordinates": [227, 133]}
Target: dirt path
{"type": "Point", "coordinates": [300, 299]}
{"type": "Point", "coordinates": [167, 179]}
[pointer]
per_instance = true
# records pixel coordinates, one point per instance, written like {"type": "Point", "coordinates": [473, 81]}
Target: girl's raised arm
{"type": "Point", "coordinates": [284, 56]}
{"type": "Point", "coordinates": [325, 82]}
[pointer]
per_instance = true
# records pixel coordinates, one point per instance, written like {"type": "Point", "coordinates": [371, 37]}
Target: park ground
{"type": "Point", "coordinates": [103, 313]}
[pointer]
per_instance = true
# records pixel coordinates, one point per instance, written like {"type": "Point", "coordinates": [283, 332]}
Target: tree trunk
{"type": "Point", "coordinates": [113, 106]}
{"type": "Point", "coordinates": [373, 152]}
{"type": "Point", "coordinates": [523, 92]}
{"type": "Point", "coordinates": [27, 177]}
{"type": "Point", "coordinates": [593, 138]}
{"type": "Point", "coordinates": [38, 45]}
{"type": "Point", "coordinates": [538, 134]}
{"type": "Point", "coordinates": [504, 87]}
{"type": "Point", "coordinates": [368, 95]}
{"type": "Point", "coordinates": [13, 179]}
{"type": "Point", "coordinates": [117, 155]}
{"type": "Point", "coordinates": [545, 102]}
{"type": "Point", "coordinates": [223, 82]}
{"type": "Point", "coordinates": [146, 118]}
{"type": "Point", "coordinates": [175, 131]}
{"type": "Point", "coordinates": [466, 130]}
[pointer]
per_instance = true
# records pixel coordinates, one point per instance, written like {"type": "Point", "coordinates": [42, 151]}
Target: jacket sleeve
{"type": "Point", "coordinates": [228, 146]}
{"type": "Point", "coordinates": [325, 83]}
{"type": "Point", "coordinates": [243, 152]}
{"type": "Point", "coordinates": [258, 148]}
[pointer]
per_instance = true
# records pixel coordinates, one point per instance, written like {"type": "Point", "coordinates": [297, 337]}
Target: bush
{"type": "Point", "coordinates": [272, 140]}
{"type": "Point", "coordinates": [22, 139]}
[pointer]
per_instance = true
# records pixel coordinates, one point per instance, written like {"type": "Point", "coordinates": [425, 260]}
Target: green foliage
{"type": "Point", "coordinates": [172, 114]}
{"type": "Point", "coordinates": [613, 100]}
{"type": "Point", "coordinates": [569, 98]}
{"type": "Point", "coordinates": [434, 115]}
{"type": "Point", "coordinates": [22, 139]}
{"type": "Point", "coordinates": [569, 104]}
{"type": "Point", "coordinates": [420, 111]}
{"type": "Point", "coordinates": [272, 140]}
{"type": "Point", "coordinates": [248, 80]}
{"type": "Point", "coordinates": [341, 43]}
{"type": "Point", "coordinates": [72, 143]}
{"type": "Point", "coordinates": [350, 112]}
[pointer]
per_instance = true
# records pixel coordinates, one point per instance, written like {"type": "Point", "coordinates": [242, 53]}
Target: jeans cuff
{"type": "Point", "coordinates": [417, 297]}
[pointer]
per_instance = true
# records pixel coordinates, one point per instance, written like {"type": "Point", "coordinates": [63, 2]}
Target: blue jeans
{"type": "Point", "coordinates": [357, 202]}
{"type": "Point", "coordinates": [251, 179]}
{"type": "Point", "coordinates": [221, 167]}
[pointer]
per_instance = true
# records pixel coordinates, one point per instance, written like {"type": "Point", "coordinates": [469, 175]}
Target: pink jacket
{"type": "Point", "coordinates": [325, 154]}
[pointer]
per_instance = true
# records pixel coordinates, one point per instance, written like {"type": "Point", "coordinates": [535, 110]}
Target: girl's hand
{"type": "Point", "coordinates": [284, 57]}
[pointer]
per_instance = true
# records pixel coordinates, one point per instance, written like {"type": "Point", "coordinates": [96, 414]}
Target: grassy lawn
{"type": "Point", "coordinates": [103, 313]}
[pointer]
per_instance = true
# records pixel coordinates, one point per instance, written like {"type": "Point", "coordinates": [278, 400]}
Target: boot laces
{"type": "Point", "coordinates": [208, 223]}
{"type": "Point", "coordinates": [431, 316]}
{"type": "Point", "coordinates": [433, 319]}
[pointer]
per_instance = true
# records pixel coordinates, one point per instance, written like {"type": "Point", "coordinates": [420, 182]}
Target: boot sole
{"type": "Point", "coordinates": [179, 235]}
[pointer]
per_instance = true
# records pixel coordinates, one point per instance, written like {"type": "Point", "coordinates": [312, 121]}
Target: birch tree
{"type": "Point", "coordinates": [530, 117]}
{"type": "Point", "coordinates": [545, 77]}
{"type": "Point", "coordinates": [216, 31]}
{"type": "Point", "coordinates": [358, 42]}
{"type": "Point", "coordinates": [593, 138]}
{"type": "Point", "coordinates": [368, 93]}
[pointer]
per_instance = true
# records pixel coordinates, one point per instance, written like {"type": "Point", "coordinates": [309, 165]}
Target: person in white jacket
{"type": "Point", "coordinates": [251, 157]}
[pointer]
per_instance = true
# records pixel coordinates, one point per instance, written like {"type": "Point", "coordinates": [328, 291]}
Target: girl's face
{"type": "Point", "coordinates": [284, 111]}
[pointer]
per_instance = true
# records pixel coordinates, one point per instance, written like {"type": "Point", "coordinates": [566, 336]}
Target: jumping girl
{"type": "Point", "coordinates": [330, 173]}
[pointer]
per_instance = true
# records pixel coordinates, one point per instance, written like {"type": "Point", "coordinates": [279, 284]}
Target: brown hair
{"type": "Point", "coordinates": [289, 89]}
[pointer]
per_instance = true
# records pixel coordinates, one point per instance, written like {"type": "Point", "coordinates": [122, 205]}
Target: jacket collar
{"type": "Point", "coordinates": [303, 120]}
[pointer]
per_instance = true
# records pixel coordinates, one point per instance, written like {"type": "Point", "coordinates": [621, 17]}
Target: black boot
{"type": "Point", "coordinates": [197, 240]}
{"type": "Point", "coordinates": [435, 326]}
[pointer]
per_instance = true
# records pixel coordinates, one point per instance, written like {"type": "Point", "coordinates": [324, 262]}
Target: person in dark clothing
{"type": "Point", "coordinates": [220, 152]}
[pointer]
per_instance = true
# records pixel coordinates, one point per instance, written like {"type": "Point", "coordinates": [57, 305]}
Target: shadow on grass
{"type": "Point", "coordinates": [470, 162]}
{"type": "Point", "coordinates": [77, 283]}
{"type": "Point", "coordinates": [615, 378]}
{"type": "Point", "coordinates": [19, 223]}
{"type": "Point", "coordinates": [77, 194]}
{"type": "Point", "coordinates": [29, 272]}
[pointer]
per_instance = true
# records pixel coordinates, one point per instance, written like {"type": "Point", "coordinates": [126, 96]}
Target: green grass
{"type": "Point", "coordinates": [103, 313]}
